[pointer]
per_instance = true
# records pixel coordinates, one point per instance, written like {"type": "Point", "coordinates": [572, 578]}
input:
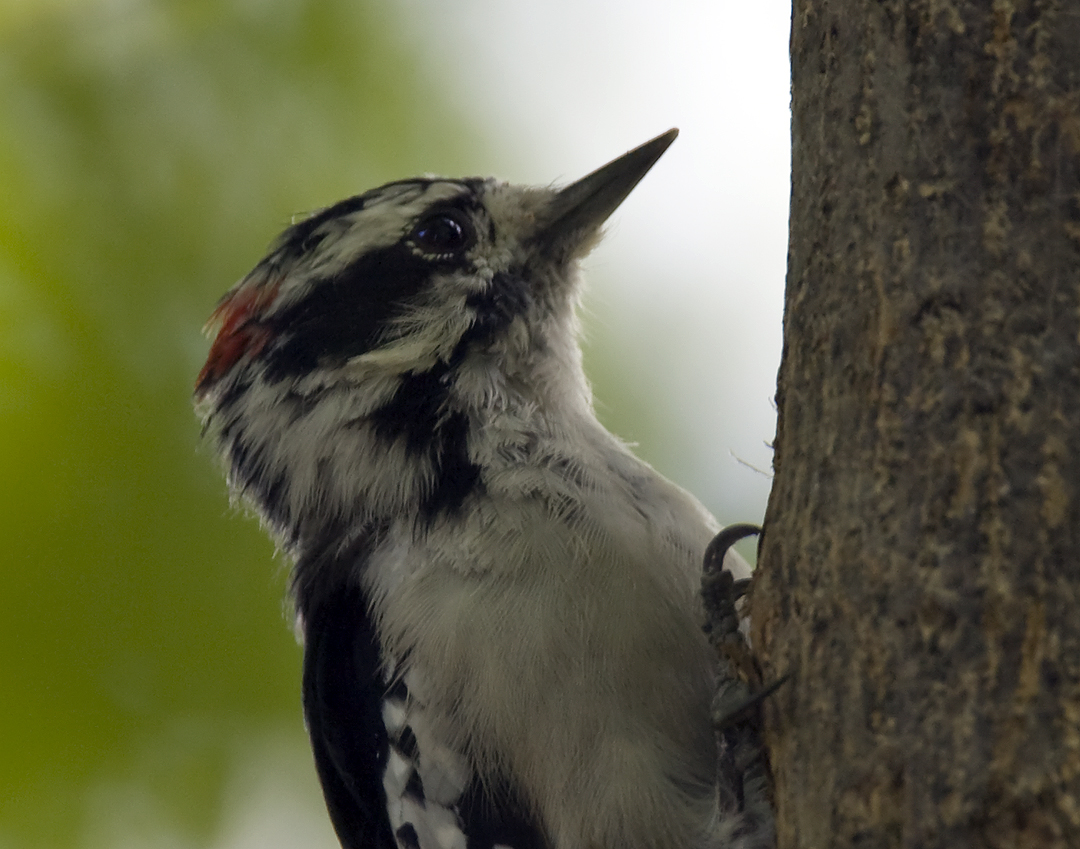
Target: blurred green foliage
{"type": "Point", "coordinates": [148, 152]}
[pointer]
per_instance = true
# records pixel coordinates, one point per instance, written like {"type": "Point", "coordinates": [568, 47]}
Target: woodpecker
{"type": "Point", "coordinates": [499, 603]}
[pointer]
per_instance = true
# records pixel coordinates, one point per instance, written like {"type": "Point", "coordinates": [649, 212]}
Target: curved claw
{"type": "Point", "coordinates": [739, 588]}
{"type": "Point", "coordinates": [718, 547]}
{"type": "Point", "coordinates": [720, 590]}
{"type": "Point", "coordinates": [731, 714]}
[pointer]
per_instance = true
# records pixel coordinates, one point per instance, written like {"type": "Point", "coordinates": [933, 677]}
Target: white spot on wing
{"type": "Point", "coordinates": [396, 775]}
{"type": "Point", "coordinates": [438, 828]}
{"type": "Point", "coordinates": [443, 771]}
{"type": "Point", "coordinates": [393, 715]}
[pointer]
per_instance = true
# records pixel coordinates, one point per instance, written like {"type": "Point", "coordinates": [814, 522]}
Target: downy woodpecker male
{"type": "Point", "coordinates": [500, 605]}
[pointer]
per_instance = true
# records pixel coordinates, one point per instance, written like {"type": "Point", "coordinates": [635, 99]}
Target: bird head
{"type": "Point", "coordinates": [402, 276]}
{"type": "Point", "coordinates": [374, 338]}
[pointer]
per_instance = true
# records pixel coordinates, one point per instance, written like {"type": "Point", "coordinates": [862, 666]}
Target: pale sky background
{"type": "Point", "coordinates": [688, 285]}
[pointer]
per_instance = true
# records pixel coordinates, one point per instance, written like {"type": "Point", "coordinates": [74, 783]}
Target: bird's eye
{"type": "Point", "coordinates": [443, 233]}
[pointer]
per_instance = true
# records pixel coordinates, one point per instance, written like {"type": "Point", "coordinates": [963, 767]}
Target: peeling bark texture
{"type": "Point", "coordinates": [920, 566]}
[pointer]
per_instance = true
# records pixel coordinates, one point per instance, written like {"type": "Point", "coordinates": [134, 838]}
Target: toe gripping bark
{"type": "Point", "coordinates": [745, 782]}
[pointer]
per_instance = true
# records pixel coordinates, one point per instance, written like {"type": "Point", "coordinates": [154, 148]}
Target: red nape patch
{"type": "Point", "coordinates": [237, 331]}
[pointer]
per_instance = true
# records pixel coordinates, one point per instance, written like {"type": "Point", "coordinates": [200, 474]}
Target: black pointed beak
{"type": "Point", "coordinates": [577, 211]}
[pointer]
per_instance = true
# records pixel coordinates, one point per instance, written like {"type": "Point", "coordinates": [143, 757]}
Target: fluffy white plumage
{"type": "Point", "coordinates": [506, 601]}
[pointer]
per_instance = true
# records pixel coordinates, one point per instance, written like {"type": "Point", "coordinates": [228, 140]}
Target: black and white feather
{"type": "Point", "coordinates": [499, 602]}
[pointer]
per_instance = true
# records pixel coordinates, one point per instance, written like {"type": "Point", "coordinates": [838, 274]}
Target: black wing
{"type": "Point", "coordinates": [343, 700]}
{"type": "Point", "coordinates": [345, 694]}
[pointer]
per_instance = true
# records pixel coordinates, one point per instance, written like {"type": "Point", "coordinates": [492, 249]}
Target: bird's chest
{"type": "Point", "coordinates": [486, 620]}
{"type": "Point", "coordinates": [540, 643]}
{"type": "Point", "coordinates": [519, 640]}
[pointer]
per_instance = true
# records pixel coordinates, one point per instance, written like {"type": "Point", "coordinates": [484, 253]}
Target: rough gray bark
{"type": "Point", "coordinates": [920, 569]}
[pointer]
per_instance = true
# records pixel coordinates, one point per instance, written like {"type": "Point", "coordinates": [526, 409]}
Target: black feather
{"type": "Point", "coordinates": [507, 298]}
{"type": "Point", "coordinates": [343, 707]}
{"type": "Point", "coordinates": [345, 315]}
{"type": "Point", "coordinates": [492, 813]}
{"type": "Point", "coordinates": [417, 413]}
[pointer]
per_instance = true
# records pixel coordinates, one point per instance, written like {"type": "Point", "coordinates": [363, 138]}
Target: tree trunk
{"type": "Point", "coordinates": [920, 567]}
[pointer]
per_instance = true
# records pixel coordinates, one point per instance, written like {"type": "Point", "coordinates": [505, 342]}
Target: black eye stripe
{"type": "Point", "coordinates": [345, 315]}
